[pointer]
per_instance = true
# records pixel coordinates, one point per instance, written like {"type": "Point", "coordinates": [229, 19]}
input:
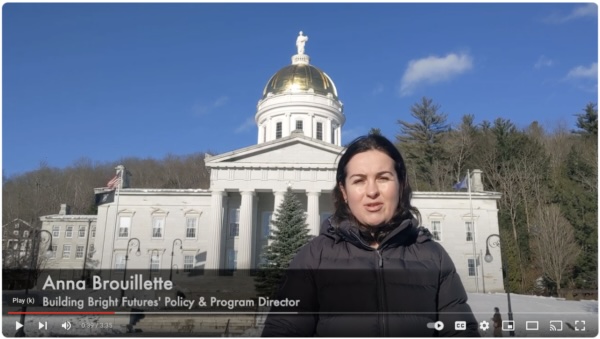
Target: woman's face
{"type": "Point", "coordinates": [371, 187]}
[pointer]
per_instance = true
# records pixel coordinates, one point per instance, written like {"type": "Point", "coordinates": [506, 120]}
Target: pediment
{"type": "Point", "coordinates": [290, 150]}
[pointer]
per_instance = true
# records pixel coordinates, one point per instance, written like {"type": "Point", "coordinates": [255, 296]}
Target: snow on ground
{"type": "Point", "coordinates": [524, 308]}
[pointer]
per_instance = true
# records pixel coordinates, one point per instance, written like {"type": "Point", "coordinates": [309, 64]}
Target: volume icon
{"type": "Point", "coordinates": [66, 325]}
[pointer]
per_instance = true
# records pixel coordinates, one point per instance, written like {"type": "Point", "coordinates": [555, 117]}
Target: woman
{"type": "Point", "coordinates": [372, 271]}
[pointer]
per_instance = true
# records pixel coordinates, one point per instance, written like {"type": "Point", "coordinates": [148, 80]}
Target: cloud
{"type": "Point", "coordinates": [582, 72]}
{"type": "Point", "coordinates": [246, 125]}
{"type": "Point", "coordinates": [583, 11]}
{"type": "Point", "coordinates": [202, 108]}
{"type": "Point", "coordinates": [377, 90]}
{"type": "Point", "coordinates": [432, 70]}
{"type": "Point", "coordinates": [543, 61]}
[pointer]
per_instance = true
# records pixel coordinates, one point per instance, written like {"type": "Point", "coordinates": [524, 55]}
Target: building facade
{"type": "Point", "coordinates": [73, 240]}
{"type": "Point", "coordinates": [299, 120]}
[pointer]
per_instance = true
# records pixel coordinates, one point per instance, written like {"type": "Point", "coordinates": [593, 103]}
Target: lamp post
{"type": "Point", "coordinates": [488, 258]}
{"type": "Point", "coordinates": [138, 252]}
{"type": "Point", "coordinates": [34, 246]}
{"type": "Point", "coordinates": [172, 253]}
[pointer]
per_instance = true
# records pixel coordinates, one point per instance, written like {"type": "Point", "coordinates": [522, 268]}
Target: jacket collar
{"type": "Point", "coordinates": [407, 232]}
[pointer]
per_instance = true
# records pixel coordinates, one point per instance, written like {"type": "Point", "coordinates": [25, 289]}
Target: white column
{"type": "Point", "coordinates": [287, 128]}
{"type": "Point", "coordinates": [260, 134]}
{"type": "Point", "coordinates": [244, 254]}
{"type": "Point", "coordinates": [213, 255]}
{"type": "Point", "coordinates": [311, 127]}
{"type": "Point", "coordinates": [329, 131]}
{"type": "Point", "coordinates": [313, 213]}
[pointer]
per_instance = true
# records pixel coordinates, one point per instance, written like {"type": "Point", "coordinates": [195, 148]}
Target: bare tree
{"type": "Point", "coordinates": [555, 247]}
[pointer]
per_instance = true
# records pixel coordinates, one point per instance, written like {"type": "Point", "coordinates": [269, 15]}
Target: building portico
{"type": "Point", "coordinates": [247, 190]}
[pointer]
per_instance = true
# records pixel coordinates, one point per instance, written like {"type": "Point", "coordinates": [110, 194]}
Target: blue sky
{"type": "Point", "coordinates": [106, 81]}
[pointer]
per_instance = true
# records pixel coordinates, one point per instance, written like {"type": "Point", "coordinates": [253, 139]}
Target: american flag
{"type": "Point", "coordinates": [114, 182]}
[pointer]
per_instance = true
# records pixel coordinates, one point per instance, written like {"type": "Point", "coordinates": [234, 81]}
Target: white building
{"type": "Point", "coordinates": [72, 242]}
{"type": "Point", "coordinates": [299, 120]}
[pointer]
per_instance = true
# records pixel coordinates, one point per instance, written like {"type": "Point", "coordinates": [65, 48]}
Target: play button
{"type": "Point", "coordinates": [18, 325]}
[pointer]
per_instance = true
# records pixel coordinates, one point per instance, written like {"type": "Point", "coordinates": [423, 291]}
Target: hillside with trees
{"type": "Point", "coordinates": [548, 179]}
{"type": "Point", "coordinates": [33, 194]}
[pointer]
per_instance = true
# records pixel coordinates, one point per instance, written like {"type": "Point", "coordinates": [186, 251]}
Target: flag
{"type": "Point", "coordinates": [114, 182]}
{"type": "Point", "coordinates": [463, 184]}
{"type": "Point", "coordinates": [105, 197]}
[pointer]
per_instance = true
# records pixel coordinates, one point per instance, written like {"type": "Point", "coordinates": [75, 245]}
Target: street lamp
{"type": "Point", "coordinates": [488, 258]}
{"type": "Point", "coordinates": [127, 258]}
{"type": "Point", "coordinates": [172, 253]}
{"type": "Point", "coordinates": [34, 246]}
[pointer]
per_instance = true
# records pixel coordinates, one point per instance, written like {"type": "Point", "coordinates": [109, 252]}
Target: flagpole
{"type": "Point", "coordinates": [119, 183]}
{"type": "Point", "coordinates": [473, 232]}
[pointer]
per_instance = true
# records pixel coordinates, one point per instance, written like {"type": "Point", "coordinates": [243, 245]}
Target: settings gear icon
{"type": "Point", "coordinates": [484, 325]}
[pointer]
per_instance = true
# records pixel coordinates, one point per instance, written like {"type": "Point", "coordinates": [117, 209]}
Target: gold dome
{"type": "Point", "coordinates": [300, 78]}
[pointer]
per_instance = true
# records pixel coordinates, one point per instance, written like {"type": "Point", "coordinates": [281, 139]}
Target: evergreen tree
{"type": "Point", "coordinates": [290, 232]}
{"type": "Point", "coordinates": [421, 142]}
{"type": "Point", "coordinates": [588, 121]}
{"type": "Point", "coordinates": [375, 131]}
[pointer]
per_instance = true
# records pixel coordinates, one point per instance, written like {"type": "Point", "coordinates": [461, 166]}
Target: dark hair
{"type": "Point", "coordinates": [380, 143]}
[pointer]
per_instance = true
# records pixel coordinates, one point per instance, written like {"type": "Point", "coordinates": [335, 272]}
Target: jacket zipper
{"type": "Point", "coordinates": [381, 290]}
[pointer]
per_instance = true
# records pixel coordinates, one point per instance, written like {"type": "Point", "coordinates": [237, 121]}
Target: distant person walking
{"type": "Point", "coordinates": [497, 320]}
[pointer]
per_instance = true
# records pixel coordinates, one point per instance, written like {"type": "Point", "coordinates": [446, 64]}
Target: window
{"type": "Point", "coordinates": [158, 226]}
{"type": "Point", "coordinates": [91, 251]}
{"type": "Point", "coordinates": [81, 231]}
{"type": "Point", "coordinates": [231, 259]}
{"type": "Point", "coordinates": [17, 226]}
{"type": "Point", "coordinates": [266, 225]}
{"type": "Point", "coordinates": [25, 234]}
{"type": "Point", "coordinates": [436, 229]}
{"type": "Point", "coordinates": [320, 130]}
{"type": "Point", "coordinates": [191, 224]}
{"type": "Point", "coordinates": [120, 261]}
{"type": "Point", "coordinates": [15, 232]}
{"type": "Point", "coordinates": [124, 225]}
{"type": "Point", "coordinates": [55, 231]}
{"type": "Point", "coordinates": [470, 230]}
{"type": "Point", "coordinates": [154, 262]}
{"type": "Point", "coordinates": [93, 232]}
{"type": "Point", "coordinates": [79, 252]}
{"type": "Point", "coordinates": [299, 124]}
{"type": "Point", "coordinates": [234, 222]}
{"type": "Point", "coordinates": [278, 130]}
{"type": "Point", "coordinates": [16, 245]}
{"type": "Point", "coordinates": [66, 251]}
{"type": "Point", "coordinates": [69, 232]}
{"type": "Point", "coordinates": [188, 263]}
{"type": "Point", "coordinates": [53, 253]}
{"type": "Point", "coordinates": [471, 264]}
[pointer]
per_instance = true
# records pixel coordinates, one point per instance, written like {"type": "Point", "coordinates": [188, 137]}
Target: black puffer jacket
{"type": "Point", "coordinates": [346, 288]}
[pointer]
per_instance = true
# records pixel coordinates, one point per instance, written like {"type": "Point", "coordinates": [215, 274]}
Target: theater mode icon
{"type": "Point", "coordinates": [532, 325]}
